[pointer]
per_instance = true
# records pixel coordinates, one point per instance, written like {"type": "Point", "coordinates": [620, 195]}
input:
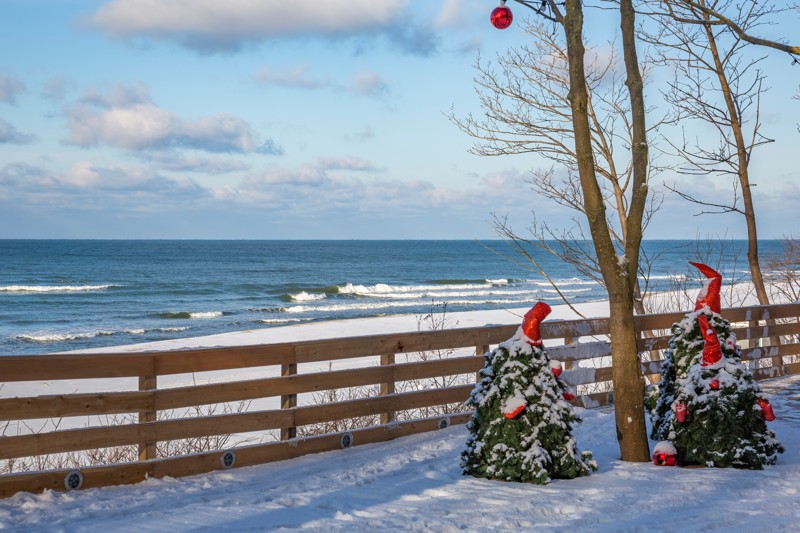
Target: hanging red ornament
{"type": "Point", "coordinates": [766, 410]}
{"type": "Point", "coordinates": [714, 384]}
{"type": "Point", "coordinates": [555, 366]}
{"type": "Point", "coordinates": [568, 396]}
{"type": "Point", "coordinates": [532, 320]}
{"type": "Point", "coordinates": [681, 412]}
{"type": "Point", "coordinates": [709, 294]}
{"type": "Point", "coordinates": [712, 352]}
{"type": "Point", "coordinates": [665, 454]}
{"type": "Point", "coordinates": [501, 16]}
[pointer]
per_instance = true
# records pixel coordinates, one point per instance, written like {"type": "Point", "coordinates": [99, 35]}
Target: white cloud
{"type": "Point", "coordinates": [295, 78]}
{"type": "Point", "coordinates": [213, 26]}
{"type": "Point", "coordinates": [364, 83]}
{"type": "Point", "coordinates": [11, 135]}
{"type": "Point", "coordinates": [10, 87]}
{"type": "Point", "coordinates": [125, 117]}
{"type": "Point", "coordinates": [370, 84]}
{"type": "Point", "coordinates": [55, 88]}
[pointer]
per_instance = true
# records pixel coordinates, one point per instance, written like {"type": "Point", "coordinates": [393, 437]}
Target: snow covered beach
{"type": "Point", "coordinates": [415, 484]}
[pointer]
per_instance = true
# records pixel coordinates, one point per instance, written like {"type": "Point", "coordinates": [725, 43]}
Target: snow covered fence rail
{"type": "Point", "coordinates": [285, 374]}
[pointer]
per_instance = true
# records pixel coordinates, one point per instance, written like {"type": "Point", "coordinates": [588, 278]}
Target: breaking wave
{"type": "Point", "coordinates": [54, 288]}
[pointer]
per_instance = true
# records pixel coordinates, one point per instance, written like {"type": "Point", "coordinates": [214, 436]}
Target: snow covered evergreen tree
{"type": "Point", "coordinates": [709, 406]}
{"type": "Point", "coordinates": [522, 426]}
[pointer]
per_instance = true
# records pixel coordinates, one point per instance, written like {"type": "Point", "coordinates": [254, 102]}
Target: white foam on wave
{"type": "Point", "coordinates": [49, 337]}
{"type": "Point", "coordinates": [282, 320]}
{"type": "Point", "coordinates": [206, 314]}
{"type": "Point", "coordinates": [54, 288]}
{"type": "Point", "coordinates": [307, 297]}
{"type": "Point", "coordinates": [383, 289]}
{"type": "Point", "coordinates": [53, 337]}
{"type": "Point", "coordinates": [376, 306]}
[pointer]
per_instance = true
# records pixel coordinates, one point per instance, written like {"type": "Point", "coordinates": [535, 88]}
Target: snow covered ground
{"type": "Point", "coordinates": [415, 483]}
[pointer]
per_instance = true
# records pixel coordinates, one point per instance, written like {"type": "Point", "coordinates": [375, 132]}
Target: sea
{"type": "Point", "coordinates": [59, 295]}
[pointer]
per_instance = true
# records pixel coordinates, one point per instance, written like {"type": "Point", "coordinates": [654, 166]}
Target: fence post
{"type": "Point", "coordinates": [288, 401]}
{"type": "Point", "coordinates": [480, 351]}
{"type": "Point", "coordinates": [147, 450]}
{"type": "Point", "coordinates": [387, 388]}
{"type": "Point", "coordinates": [567, 342]}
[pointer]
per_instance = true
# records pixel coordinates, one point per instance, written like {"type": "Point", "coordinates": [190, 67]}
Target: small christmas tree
{"type": "Point", "coordinates": [709, 406]}
{"type": "Point", "coordinates": [522, 426]}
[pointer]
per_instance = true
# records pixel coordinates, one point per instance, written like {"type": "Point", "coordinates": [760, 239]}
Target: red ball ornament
{"type": "Point", "coordinates": [555, 366]}
{"type": "Point", "coordinates": [665, 454]}
{"type": "Point", "coordinates": [501, 17]}
{"type": "Point", "coordinates": [714, 384]}
{"type": "Point", "coordinates": [568, 396]}
{"type": "Point", "coordinates": [664, 459]}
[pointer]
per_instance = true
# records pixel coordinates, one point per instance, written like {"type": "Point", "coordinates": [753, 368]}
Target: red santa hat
{"type": "Point", "coordinates": [712, 351]}
{"type": "Point", "coordinates": [532, 320]}
{"type": "Point", "coordinates": [709, 294]}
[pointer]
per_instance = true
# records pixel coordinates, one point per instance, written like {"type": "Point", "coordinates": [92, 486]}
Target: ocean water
{"type": "Point", "coordinates": [58, 295]}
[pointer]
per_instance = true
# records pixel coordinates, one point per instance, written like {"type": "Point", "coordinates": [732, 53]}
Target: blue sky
{"type": "Point", "coordinates": [288, 119]}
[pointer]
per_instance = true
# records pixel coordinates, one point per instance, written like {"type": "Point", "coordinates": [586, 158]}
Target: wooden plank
{"type": "Point", "coordinates": [93, 477]}
{"type": "Point", "coordinates": [580, 350]}
{"type": "Point", "coordinates": [318, 381]}
{"type": "Point", "coordinates": [194, 464]}
{"type": "Point", "coordinates": [209, 359]}
{"type": "Point", "coordinates": [61, 405]}
{"type": "Point", "coordinates": [164, 430]}
{"type": "Point", "coordinates": [79, 366]}
{"type": "Point", "coordinates": [735, 314]}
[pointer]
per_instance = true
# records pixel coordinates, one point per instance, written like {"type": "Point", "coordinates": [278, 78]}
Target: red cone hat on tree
{"type": "Point", "coordinates": [712, 351]}
{"type": "Point", "coordinates": [709, 295]}
{"type": "Point", "coordinates": [532, 320]}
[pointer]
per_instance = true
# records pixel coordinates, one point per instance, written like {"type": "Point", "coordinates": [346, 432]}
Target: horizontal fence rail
{"type": "Point", "coordinates": [184, 410]}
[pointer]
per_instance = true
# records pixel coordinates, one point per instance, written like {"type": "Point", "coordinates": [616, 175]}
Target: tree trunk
{"type": "Point", "coordinates": [626, 374]}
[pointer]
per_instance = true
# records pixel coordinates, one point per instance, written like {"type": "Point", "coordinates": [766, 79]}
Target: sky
{"type": "Point", "coordinates": [245, 119]}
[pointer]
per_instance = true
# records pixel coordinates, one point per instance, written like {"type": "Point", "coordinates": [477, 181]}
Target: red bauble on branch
{"type": "Point", "coordinates": [766, 410]}
{"type": "Point", "coordinates": [681, 411]}
{"type": "Point", "coordinates": [501, 17]}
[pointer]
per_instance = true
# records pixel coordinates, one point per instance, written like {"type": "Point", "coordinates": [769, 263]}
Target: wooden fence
{"type": "Point", "coordinates": [288, 372]}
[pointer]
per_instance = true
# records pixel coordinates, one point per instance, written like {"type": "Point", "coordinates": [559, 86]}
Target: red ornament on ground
{"type": "Point", "coordinates": [665, 454]}
{"type": "Point", "coordinates": [681, 411]}
{"type": "Point", "coordinates": [664, 459]}
{"type": "Point", "coordinates": [714, 384]}
{"type": "Point", "coordinates": [766, 410]}
{"type": "Point", "coordinates": [501, 17]}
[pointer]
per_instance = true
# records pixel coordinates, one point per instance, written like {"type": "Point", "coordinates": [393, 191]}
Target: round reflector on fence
{"type": "Point", "coordinates": [73, 480]}
{"type": "Point", "coordinates": [227, 459]}
{"type": "Point", "coordinates": [444, 422]}
{"type": "Point", "coordinates": [347, 440]}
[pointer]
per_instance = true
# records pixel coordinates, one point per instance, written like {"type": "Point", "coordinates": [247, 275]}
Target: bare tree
{"type": "Point", "coordinates": [714, 82]}
{"type": "Point", "coordinates": [526, 110]}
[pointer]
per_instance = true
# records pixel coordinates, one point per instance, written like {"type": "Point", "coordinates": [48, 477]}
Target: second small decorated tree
{"type": "Point", "coordinates": [709, 407]}
{"type": "Point", "coordinates": [522, 426]}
